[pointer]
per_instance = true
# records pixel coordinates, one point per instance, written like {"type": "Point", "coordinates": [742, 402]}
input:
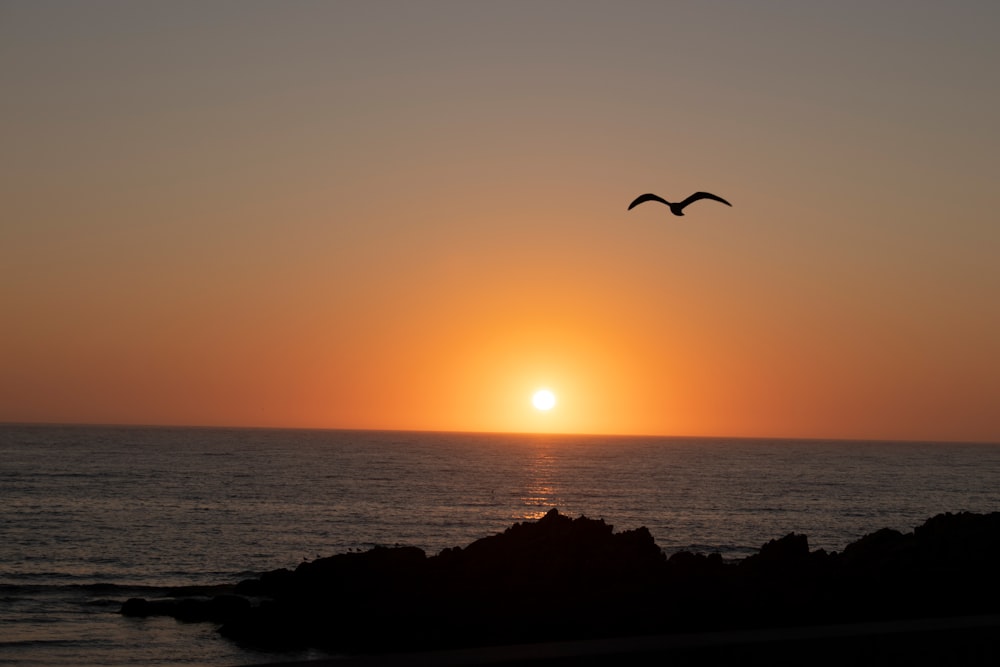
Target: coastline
{"type": "Point", "coordinates": [96, 516]}
{"type": "Point", "coordinates": [562, 582]}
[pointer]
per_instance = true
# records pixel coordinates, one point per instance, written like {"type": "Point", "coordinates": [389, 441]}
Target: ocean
{"type": "Point", "coordinates": [90, 516]}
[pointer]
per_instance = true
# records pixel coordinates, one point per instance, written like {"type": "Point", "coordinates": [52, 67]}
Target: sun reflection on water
{"type": "Point", "coordinates": [540, 493]}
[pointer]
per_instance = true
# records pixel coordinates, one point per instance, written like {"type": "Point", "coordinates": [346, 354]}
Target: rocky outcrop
{"type": "Point", "coordinates": [536, 580]}
{"type": "Point", "coordinates": [563, 578]}
{"type": "Point", "coordinates": [217, 609]}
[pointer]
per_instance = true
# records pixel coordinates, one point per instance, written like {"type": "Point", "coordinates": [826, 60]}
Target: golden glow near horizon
{"type": "Point", "coordinates": [310, 218]}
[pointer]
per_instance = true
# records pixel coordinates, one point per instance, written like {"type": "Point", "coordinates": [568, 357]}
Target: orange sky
{"type": "Point", "coordinates": [412, 215]}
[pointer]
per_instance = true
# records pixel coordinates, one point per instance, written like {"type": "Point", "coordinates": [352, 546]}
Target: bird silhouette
{"type": "Point", "coordinates": [677, 208]}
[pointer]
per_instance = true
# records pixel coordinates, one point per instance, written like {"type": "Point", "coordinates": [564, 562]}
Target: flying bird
{"type": "Point", "coordinates": [676, 208]}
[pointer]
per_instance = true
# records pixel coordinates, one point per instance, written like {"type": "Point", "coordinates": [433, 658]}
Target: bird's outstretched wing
{"type": "Point", "coordinates": [702, 195]}
{"type": "Point", "coordinates": [649, 197]}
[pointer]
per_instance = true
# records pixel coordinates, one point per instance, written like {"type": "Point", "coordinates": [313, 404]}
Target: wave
{"type": "Point", "coordinates": [19, 591]}
{"type": "Point", "coordinates": [32, 643]}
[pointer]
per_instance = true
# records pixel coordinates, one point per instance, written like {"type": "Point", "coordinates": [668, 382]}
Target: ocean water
{"type": "Point", "coordinates": [90, 516]}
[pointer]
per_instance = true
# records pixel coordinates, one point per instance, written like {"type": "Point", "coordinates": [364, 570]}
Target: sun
{"type": "Point", "coordinates": [543, 400]}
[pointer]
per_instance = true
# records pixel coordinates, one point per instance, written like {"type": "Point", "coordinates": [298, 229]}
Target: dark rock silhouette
{"type": "Point", "coordinates": [791, 552]}
{"type": "Point", "coordinates": [217, 609]}
{"type": "Point", "coordinates": [561, 578]}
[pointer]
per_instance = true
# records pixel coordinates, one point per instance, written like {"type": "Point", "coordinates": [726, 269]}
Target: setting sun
{"type": "Point", "coordinates": [543, 400]}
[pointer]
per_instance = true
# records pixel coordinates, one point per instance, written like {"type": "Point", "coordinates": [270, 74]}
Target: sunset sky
{"type": "Point", "coordinates": [412, 215]}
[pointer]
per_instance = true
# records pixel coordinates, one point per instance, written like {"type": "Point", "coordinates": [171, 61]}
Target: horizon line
{"type": "Point", "coordinates": [853, 439]}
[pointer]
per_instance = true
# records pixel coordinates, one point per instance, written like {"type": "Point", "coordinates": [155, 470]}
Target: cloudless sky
{"type": "Point", "coordinates": [411, 215]}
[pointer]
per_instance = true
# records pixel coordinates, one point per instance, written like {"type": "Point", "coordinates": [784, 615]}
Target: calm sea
{"type": "Point", "coordinates": [90, 516]}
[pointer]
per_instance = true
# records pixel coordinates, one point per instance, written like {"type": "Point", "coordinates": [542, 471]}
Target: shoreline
{"type": "Point", "coordinates": [967, 640]}
{"type": "Point", "coordinates": [559, 580]}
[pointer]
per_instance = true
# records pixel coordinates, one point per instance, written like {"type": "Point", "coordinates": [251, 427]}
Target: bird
{"type": "Point", "coordinates": [677, 208]}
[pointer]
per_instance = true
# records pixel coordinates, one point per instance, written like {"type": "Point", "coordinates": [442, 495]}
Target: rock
{"type": "Point", "coordinates": [370, 572]}
{"type": "Point", "coordinates": [882, 549]}
{"type": "Point", "coordinates": [563, 578]}
{"type": "Point", "coordinates": [687, 564]}
{"type": "Point", "coordinates": [791, 552]}
{"type": "Point", "coordinates": [959, 540]}
{"type": "Point", "coordinates": [142, 608]}
{"type": "Point", "coordinates": [268, 584]}
{"type": "Point", "coordinates": [573, 569]}
{"type": "Point", "coordinates": [554, 555]}
{"type": "Point", "coordinates": [218, 609]}
{"type": "Point", "coordinates": [136, 607]}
